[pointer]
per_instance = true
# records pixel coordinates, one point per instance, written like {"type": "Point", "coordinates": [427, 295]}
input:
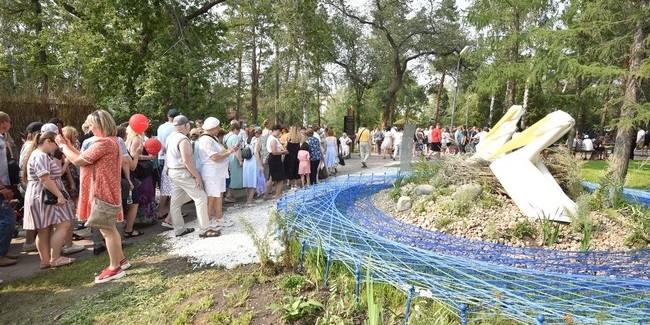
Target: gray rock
{"type": "Point", "coordinates": [473, 191]}
{"type": "Point", "coordinates": [424, 189]}
{"type": "Point", "coordinates": [404, 203]}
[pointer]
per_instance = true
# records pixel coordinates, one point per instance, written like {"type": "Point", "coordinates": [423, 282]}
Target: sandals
{"type": "Point", "coordinates": [229, 200]}
{"type": "Point", "coordinates": [61, 261]}
{"type": "Point", "coordinates": [44, 266]}
{"type": "Point", "coordinates": [133, 233]}
{"type": "Point", "coordinates": [210, 233]}
{"type": "Point", "coordinates": [185, 232]}
{"type": "Point", "coordinates": [76, 237]}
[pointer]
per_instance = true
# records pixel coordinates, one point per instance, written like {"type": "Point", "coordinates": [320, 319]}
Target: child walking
{"type": "Point", "coordinates": [303, 167]}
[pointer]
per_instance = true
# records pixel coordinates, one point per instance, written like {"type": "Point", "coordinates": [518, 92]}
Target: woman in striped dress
{"type": "Point", "coordinates": [51, 220]}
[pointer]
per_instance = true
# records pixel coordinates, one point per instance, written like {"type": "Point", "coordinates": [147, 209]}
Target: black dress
{"type": "Point", "coordinates": [291, 161]}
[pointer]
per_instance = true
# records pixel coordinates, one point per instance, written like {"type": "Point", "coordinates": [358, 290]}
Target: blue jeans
{"type": "Point", "coordinates": [7, 227]}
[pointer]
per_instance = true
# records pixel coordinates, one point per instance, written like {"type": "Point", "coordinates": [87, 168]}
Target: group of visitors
{"type": "Point", "coordinates": [428, 143]}
{"type": "Point", "coordinates": [64, 173]}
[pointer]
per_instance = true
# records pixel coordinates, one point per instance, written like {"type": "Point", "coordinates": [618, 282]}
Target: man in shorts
{"type": "Point", "coordinates": [436, 142]}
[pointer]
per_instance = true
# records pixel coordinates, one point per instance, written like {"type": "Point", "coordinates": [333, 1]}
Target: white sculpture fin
{"type": "Point", "coordinates": [499, 134]}
{"type": "Point", "coordinates": [524, 176]}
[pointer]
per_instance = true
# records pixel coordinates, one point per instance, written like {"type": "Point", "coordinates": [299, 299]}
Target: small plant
{"type": "Point", "coordinates": [396, 192]}
{"type": "Point", "coordinates": [550, 231]}
{"type": "Point", "coordinates": [262, 242]}
{"type": "Point", "coordinates": [639, 226]}
{"type": "Point", "coordinates": [523, 229]}
{"type": "Point", "coordinates": [491, 230]}
{"type": "Point", "coordinates": [582, 220]}
{"type": "Point", "coordinates": [374, 308]}
{"type": "Point", "coordinates": [443, 222]}
{"type": "Point", "coordinates": [293, 283]}
{"type": "Point", "coordinates": [295, 308]}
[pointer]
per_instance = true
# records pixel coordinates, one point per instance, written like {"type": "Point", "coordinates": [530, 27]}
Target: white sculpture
{"type": "Point", "coordinates": [499, 134]}
{"type": "Point", "coordinates": [522, 172]}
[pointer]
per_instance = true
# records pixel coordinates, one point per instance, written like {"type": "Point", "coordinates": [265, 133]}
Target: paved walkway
{"type": "Point", "coordinates": [28, 263]}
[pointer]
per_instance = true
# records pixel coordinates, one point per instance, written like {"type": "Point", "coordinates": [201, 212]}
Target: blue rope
{"type": "Point", "coordinates": [521, 283]}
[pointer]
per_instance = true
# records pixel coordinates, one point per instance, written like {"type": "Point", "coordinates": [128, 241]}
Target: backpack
{"type": "Point", "coordinates": [246, 152]}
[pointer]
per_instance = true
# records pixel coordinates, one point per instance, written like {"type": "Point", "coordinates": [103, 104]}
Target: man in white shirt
{"type": "Point", "coordinates": [397, 142]}
{"type": "Point", "coordinates": [187, 181]}
{"type": "Point", "coordinates": [639, 139]}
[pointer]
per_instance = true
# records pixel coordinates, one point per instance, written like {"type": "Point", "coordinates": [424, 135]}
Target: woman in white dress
{"type": "Point", "coordinates": [253, 166]}
{"type": "Point", "coordinates": [387, 144]}
{"type": "Point", "coordinates": [345, 145]}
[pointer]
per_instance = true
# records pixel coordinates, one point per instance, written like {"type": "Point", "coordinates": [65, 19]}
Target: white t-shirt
{"type": "Point", "coordinates": [640, 135]}
{"type": "Point", "coordinates": [173, 158]}
{"type": "Point", "coordinates": [587, 145]}
{"type": "Point", "coordinates": [210, 168]}
{"type": "Point", "coordinates": [397, 137]}
{"type": "Point", "coordinates": [270, 140]}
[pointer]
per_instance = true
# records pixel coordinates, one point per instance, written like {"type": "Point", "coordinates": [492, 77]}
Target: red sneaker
{"type": "Point", "coordinates": [124, 264]}
{"type": "Point", "coordinates": [108, 275]}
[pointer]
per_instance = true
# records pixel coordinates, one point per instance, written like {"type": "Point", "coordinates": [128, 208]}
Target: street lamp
{"type": "Point", "coordinates": [453, 106]}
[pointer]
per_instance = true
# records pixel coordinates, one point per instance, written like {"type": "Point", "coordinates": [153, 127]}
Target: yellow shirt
{"type": "Point", "coordinates": [363, 135]}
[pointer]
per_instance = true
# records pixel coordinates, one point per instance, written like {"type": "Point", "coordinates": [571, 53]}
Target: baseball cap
{"type": "Point", "coordinates": [173, 112]}
{"type": "Point", "coordinates": [49, 127]}
{"type": "Point", "coordinates": [195, 131]}
{"type": "Point", "coordinates": [211, 123]}
{"type": "Point", "coordinates": [34, 127]}
{"type": "Point", "coordinates": [180, 120]}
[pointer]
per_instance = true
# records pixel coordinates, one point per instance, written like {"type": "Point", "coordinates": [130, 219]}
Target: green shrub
{"type": "Point", "coordinates": [295, 308]}
{"type": "Point", "coordinates": [523, 229]}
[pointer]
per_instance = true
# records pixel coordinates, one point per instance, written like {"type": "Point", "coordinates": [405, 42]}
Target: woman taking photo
{"type": "Point", "coordinates": [54, 218]}
{"type": "Point", "coordinates": [101, 165]}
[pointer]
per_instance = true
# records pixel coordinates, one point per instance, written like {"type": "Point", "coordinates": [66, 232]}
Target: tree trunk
{"type": "Point", "coordinates": [624, 137]}
{"type": "Point", "coordinates": [511, 89]}
{"type": "Point", "coordinates": [391, 98]}
{"type": "Point", "coordinates": [255, 77]}
{"type": "Point", "coordinates": [240, 78]}
{"type": "Point", "coordinates": [42, 55]}
{"type": "Point", "coordinates": [441, 87]}
{"type": "Point", "coordinates": [603, 114]}
{"type": "Point", "coordinates": [581, 109]}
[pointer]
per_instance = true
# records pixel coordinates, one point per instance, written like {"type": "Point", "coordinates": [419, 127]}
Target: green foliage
{"type": "Point", "coordinates": [396, 192]}
{"type": "Point", "coordinates": [293, 283]}
{"type": "Point", "coordinates": [639, 235]}
{"type": "Point", "coordinates": [460, 206]}
{"type": "Point", "coordinates": [443, 222]}
{"type": "Point", "coordinates": [262, 242]}
{"type": "Point", "coordinates": [374, 308]}
{"type": "Point", "coordinates": [489, 200]}
{"type": "Point", "coordinates": [582, 220]}
{"type": "Point", "coordinates": [550, 231]}
{"type": "Point", "coordinates": [295, 308]}
{"type": "Point", "coordinates": [523, 229]}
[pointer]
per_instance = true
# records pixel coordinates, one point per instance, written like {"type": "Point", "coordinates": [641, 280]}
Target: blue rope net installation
{"type": "Point", "coordinates": [521, 283]}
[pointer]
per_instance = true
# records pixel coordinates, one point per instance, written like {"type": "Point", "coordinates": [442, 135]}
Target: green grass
{"type": "Point", "coordinates": [638, 173]}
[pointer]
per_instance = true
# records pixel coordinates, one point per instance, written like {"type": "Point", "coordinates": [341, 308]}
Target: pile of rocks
{"type": "Point", "coordinates": [494, 218]}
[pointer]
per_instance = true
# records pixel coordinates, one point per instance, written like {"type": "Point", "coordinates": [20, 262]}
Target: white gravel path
{"type": "Point", "coordinates": [234, 247]}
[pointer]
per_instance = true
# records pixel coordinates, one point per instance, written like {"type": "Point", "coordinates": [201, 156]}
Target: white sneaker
{"type": "Point", "coordinates": [72, 249]}
{"type": "Point", "coordinates": [223, 222]}
{"type": "Point", "coordinates": [29, 247]}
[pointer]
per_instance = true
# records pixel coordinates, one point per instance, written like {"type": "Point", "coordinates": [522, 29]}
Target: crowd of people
{"type": "Point", "coordinates": [63, 173]}
{"type": "Point", "coordinates": [429, 143]}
